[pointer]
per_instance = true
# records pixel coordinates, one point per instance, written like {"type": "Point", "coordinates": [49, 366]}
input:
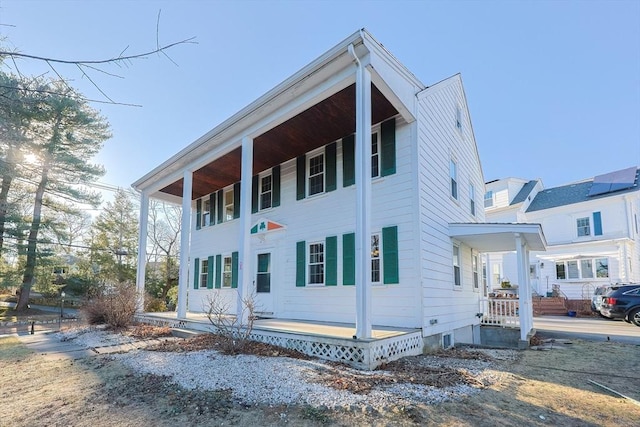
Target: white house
{"type": "Point", "coordinates": [349, 193]}
{"type": "Point", "coordinates": [592, 230]}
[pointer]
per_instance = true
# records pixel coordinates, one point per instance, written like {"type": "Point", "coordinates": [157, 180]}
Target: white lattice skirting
{"type": "Point", "coordinates": [361, 354]}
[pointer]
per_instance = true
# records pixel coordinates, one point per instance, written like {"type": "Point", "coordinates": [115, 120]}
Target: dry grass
{"type": "Point", "coordinates": [540, 388]}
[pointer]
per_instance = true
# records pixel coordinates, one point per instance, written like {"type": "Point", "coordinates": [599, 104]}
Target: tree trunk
{"type": "Point", "coordinates": [7, 179]}
{"type": "Point", "coordinates": [29, 270]}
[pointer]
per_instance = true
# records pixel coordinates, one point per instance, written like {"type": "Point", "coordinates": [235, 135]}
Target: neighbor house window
{"type": "Point", "coordinates": [456, 265]}
{"type": "Point", "coordinates": [472, 197]}
{"type": "Point", "coordinates": [375, 258]}
{"type": "Point", "coordinates": [602, 267]}
{"type": "Point", "coordinates": [375, 155]}
{"type": "Point", "coordinates": [453, 174]}
{"type": "Point", "coordinates": [586, 268]}
{"type": "Point", "coordinates": [316, 263]}
{"type": "Point", "coordinates": [488, 199]}
{"type": "Point", "coordinates": [227, 272]}
{"type": "Point", "coordinates": [474, 267]}
{"type": "Point", "coordinates": [266, 191]}
{"type": "Point", "coordinates": [584, 228]}
{"type": "Point", "coordinates": [204, 273]}
{"type": "Point", "coordinates": [228, 204]}
{"type": "Point", "coordinates": [316, 174]}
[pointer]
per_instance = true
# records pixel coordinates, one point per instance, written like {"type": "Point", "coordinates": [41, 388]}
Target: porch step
{"type": "Point", "coordinates": [549, 306]}
{"type": "Point", "coordinates": [184, 333]}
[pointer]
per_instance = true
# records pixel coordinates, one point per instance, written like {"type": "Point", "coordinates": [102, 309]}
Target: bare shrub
{"type": "Point", "coordinates": [114, 304]}
{"type": "Point", "coordinates": [153, 304]}
{"type": "Point", "coordinates": [234, 330]}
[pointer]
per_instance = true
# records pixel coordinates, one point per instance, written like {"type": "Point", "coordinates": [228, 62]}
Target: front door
{"type": "Point", "coordinates": [264, 297]}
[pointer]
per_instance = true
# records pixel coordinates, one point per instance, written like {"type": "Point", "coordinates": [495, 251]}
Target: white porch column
{"type": "Point", "coordinates": [142, 250]}
{"type": "Point", "coordinates": [489, 273]}
{"type": "Point", "coordinates": [363, 202]}
{"type": "Point", "coordinates": [244, 251]}
{"type": "Point", "coordinates": [523, 292]}
{"type": "Point", "coordinates": [528, 311]}
{"type": "Point", "coordinates": [185, 234]}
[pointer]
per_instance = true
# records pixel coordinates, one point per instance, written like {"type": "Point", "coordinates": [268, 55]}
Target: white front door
{"type": "Point", "coordinates": [262, 282]}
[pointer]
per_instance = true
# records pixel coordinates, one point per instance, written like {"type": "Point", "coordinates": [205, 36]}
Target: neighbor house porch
{"type": "Point", "coordinates": [325, 340]}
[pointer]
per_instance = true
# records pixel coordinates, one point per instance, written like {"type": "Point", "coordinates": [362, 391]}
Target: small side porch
{"type": "Point", "coordinates": [325, 340]}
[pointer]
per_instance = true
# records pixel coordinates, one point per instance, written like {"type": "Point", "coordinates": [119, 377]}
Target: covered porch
{"type": "Point", "coordinates": [325, 340]}
{"type": "Point", "coordinates": [505, 312]}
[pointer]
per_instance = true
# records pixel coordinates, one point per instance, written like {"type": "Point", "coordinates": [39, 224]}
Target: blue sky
{"type": "Point", "coordinates": [553, 86]}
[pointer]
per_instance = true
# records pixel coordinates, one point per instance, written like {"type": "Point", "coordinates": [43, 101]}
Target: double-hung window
{"type": "Point", "coordinates": [474, 267]}
{"type": "Point", "coordinates": [472, 197]}
{"type": "Point", "coordinates": [204, 273]}
{"type": "Point", "coordinates": [375, 155]}
{"type": "Point", "coordinates": [583, 226]}
{"type": "Point", "coordinates": [316, 263]}
{"type": "Point", "coordinates": [316, 174]}
{"type": "Point", "coordinates": [206, 211]}
{"type": "Point", "coordinates": [453, 174]}
{"type": "Point", "coordinates": [227, 272]}
{"type": "Point", "coordinates": [228, 204]}
{"type": "Point", "coordinates": [488, 199]}
{"type": "Point", "coordinates": [456, 266]}
{"type": "Point", "coordinates": [266, 191]}
{"type": "Point", "coordinates": [375, 259]}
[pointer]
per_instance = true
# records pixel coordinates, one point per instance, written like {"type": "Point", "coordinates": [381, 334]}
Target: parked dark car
{"type": "Point", "coordinates": [622, 302]}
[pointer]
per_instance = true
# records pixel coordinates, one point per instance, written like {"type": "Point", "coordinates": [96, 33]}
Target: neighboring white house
{"type": "Point", "coordinates": [591, 226]}
{"type": "Point", "coordinates": [350, 193]}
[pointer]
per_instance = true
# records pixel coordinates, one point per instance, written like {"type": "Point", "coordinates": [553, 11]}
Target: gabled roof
{"type": "Point", "coordinates": [574, 193]}
{"type": "Point", "coordinates": [524, 192]}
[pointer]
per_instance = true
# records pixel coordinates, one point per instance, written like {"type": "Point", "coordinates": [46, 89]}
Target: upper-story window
{"type": "Point", "coordinates": [453, 174]}
{"type": "Point", "coordinates": [316, 174]}
{"type": "Point", "coordinates": [375, 155]}
{"type": "Point", "coordinates": [459, 118]}
{"type": "Point", "coordinates": [206, 211]}
{"type": "Point", "coordinates": [472, 199]}
{"type": "Point", "coordinates": [488, 199]}
{"type": "Point", "coordinates": [228, 204]}
{"type": "Point", "coordinates": [266, 191]}
{"type": "Point", "coordinates": [583, 226]}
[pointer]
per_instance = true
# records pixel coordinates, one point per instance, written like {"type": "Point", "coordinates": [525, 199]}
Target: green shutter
{"type": "Point", "coordinates": [275, 182]}
{"type": "Point", "coordinates": [210, 273]}
{"type": "Point", "coordinates": [196, 274]}
{"type": "Point", "coordinates": [236, 200]}
{"type": "Point", "coordinates": [348, 161]}
{"type": "Point", "coordinates": [388, 147]}
{"type": "Point", "coordinates": [220, 206]}
{"type": "Point", "coordinates": [198, 214]}
{"type": "Point", "coordinates": [390, 255]}
{"type": "Point", "coordinates": [301, 165]}
{"type": "Point", "coordinates": [301, 264]}
{"type": "Point", "coordinates": [331, 272]}
{"type": "Point", "coordinates": [349, 259]}
{"type": "Point", "coordinates": [330, 171]}
{"type": "Point", "coordinates": [234, 269]}
{"type": "Point", "coordinates": [255, 190]}
{"type": "Point", "coordinates": [218, 271]}
{"type": "Point", "coordinates": [597, 223]}
{"type": "Point", "coordinates": [212, 209]}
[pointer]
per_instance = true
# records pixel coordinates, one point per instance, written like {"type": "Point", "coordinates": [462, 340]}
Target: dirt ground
{"type": "Point", "coordinates": [539, 388]}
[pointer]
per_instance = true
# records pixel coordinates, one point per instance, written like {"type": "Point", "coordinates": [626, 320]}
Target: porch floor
{"type": "Point", "coordinates": [200, 321]}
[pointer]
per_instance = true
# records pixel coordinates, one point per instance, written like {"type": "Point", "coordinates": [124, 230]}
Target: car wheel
{"type": "Point", "coordinates": [634, 316]}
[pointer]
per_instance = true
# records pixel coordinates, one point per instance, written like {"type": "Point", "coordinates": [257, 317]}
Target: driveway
{"type": "Point", "coordinates": [587, 328]}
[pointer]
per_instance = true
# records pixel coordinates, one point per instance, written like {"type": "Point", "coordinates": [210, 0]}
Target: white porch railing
{"type": "Point", "coordinates": [503, 312]}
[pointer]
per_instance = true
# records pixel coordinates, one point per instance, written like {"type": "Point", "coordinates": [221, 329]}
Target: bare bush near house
{"type": "Point", "coordinates": [235, 330]}
{"type": "Point", "coordinates": [114, 305]}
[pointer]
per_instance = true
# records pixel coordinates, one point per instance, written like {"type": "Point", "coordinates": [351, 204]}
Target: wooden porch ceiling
{"type": "Point", "coordinates": [329, 120]}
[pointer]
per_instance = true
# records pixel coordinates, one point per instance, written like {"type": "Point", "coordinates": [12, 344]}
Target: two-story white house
{"type": "Point", "coordinates": [591, 226]}
{"type": "Point", "coordinates": [348, 194]}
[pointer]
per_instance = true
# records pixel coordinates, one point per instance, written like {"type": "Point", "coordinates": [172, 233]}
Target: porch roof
{"type": "Point", "coordinates": [312, 108]}
{"type": "Point", "coordinates": [498, 237]}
